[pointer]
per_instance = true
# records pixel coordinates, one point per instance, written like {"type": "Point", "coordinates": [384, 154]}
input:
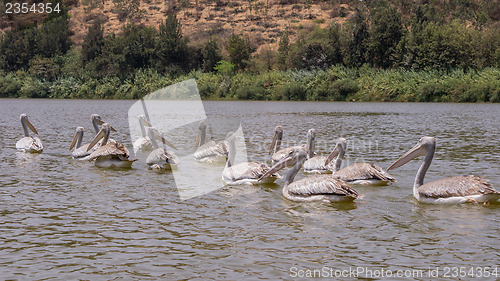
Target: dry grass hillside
{"type": "Point", "coordinates": [261, 20]}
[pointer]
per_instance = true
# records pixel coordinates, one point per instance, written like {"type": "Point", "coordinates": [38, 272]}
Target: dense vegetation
{"type": "Point", "coordinates": [377, 55]}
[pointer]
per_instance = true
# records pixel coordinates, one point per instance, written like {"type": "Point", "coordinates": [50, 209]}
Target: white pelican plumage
{"type": "Point", "coordinates": [143, 143]}
{"type": "Point", "coordinates": [80, 152]}
{"type": "Point", "coordinates": [316, 164]}
{"type": "Point", "coordinates": [160, 158]}
{"type": "Point", "coordinates": [278, 154]}
{"type": "Point", "coordinates": [245, 172]}
{"type": "Point", "coordinates": [29, 143]}
{"type": "Point", "coordinates": [109, 154]}
{"type": "Point", "coordinates": [210, 151]}
{"type": "Point", "coordinates": [313, 188]}
{"type": "Point", "coordinates": [359, 173]}
{"type": "Point", "coordinates": [454, 190]}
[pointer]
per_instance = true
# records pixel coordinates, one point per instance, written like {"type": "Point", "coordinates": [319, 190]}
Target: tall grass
{"type": "Point", "coordinates": [337, 83]}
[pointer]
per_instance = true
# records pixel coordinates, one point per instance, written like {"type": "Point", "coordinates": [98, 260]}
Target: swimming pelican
{"type": "Point", "coordinates": [143, 143]}
{"type": "Point", "coordinates": [245, 172]}
{"type": "Point", "coordinates": [313, 188]}
{"type": "Point", "coordinates": [210, 151]}
{"type": "Point", "coordinates": [160, 158]}
{"type": "Point", "coordinates": [109, 154]}
{"type": "Point", "coordinates": [97, 122]}
{"type": "Point", "coordinates": [80, 152]}
{"type": "Point", "coordinates": [359, 173]}
{"type": "Point", "coordinates": [316, 164]}
{"type": "Point", "coordinates": [454, 190]}
{"type": "Point", "coordinates": [278, 154]}
{"type": "Point", "coordinates": [28, 143]}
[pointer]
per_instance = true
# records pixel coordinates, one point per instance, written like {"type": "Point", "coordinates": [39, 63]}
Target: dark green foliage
{"type": "Point", "coordinates": [359, 38]}
{"type": "Point", "coordinates": [239, 51]}
{"type": "Point", "coordinates": [53, 37]}
{"type": "Point", "coordinates": [211, 55]}
{"type": "Point", "coordinates": [283, 49]}
{"type": "Point", "coordinates": [9, 86]}
{"type": "Point", "coordinates": [93, 42]}
{"type": "Point", "coordinates": [385, 33]}
{"type": "Point", "coordinates": [171, 47]}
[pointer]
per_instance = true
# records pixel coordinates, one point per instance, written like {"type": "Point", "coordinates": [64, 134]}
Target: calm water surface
{"type": "Point", "coordinates": [65, 219]}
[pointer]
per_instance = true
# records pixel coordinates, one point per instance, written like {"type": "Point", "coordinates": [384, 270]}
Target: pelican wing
{"type": "Point", "coordinates": [143, 143]}
{"type": "Point", "coordinates": [321, 185]}
{"type": "Point", "coordinates": [162, 156]}
{"type": "Point", "coordinates": [110, 149]}
{"type": "Point", "coordinates": [30, 144]}
{"type": "Point", "coordinates": [317, 163]}
{"type": "Point", "coordinates": [363, 171]}
{"type": "Point", "coordinates": [457, 186]}
{"type": "Point", "coordinates": [212, 149]}
{"type": "Point", "coordinates": [247, 170]}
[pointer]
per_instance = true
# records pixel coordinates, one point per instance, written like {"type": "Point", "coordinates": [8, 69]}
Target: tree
{"type": "Point", "coordinates": [385, 34]}
{"type": "Point", "coordinates": [171, 47]}
{"type": "Point", "coordinates": [283, 49]}
{"type": "Point", "coordinates": [358, 42]}
{"type": "Point", "coordinates": [239, 51]}
{"type": "Point", "coordinates": [93, 42]}
{"type": "Point", "coordinates": [211, 55]}
{"type": "Point", "coordinates": [53, 37]}
{"type": "Point", "coordinates": [335, 51]}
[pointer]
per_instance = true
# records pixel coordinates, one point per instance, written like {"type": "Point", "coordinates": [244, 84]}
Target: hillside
{"type": "Point", "coordinates": [260, 20]}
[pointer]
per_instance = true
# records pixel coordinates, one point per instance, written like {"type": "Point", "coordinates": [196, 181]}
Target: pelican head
{"type": "Point", "coordinates": [297, 156]}
{"type": "Point", "coordinates": [77, 139]}
{"type": "Point", "coordinates": [311, 137]}
{"type": "Point", "coordinates": [154, 134]}
{"type": "Point", "coordinates": [97, 121]}
{"type": "Point", "coordinates": [338, 150]}
{"type": "Point", "coordinates": [423, 147]}
{"type": "Point", "coordinates": [202, 130]}
{"type": "Point", "coordinates": [276, 143]}
{"type": "Point", "coordinates": [27, 124]}
{"type": "Point", "coordinates": [102, 134]}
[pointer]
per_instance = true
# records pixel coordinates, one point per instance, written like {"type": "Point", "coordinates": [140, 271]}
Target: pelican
{"type": "Point", "coordinates": [359, 173]}
{"type": "Point", "coordinates": [278, 154]}
{"type": "Point", "coordinates": [160, 158]}
{"type": "Point", "coordinates": [245, 172]}
{"type": "Point", "coordinates": [80, 152]}
{"type": "Point", "coordinates": [211, 151]}
{"type": "Point", "coordinates": [143, 143]}
{"type": "Point", "coordinates": [454, 190]}
{"type": "Point", "coordinates": [313, 188]}
{"type": "Point", "coordinates": [96, 122]}
{"type": "Point", "coordinates": [316, 164]}
{"type": "Point", "coordinates": [29, 143]}
{"type": "Point", "coordinates": [109, 154]}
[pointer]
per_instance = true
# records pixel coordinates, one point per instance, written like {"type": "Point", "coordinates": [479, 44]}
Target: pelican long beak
{"type": "Point", "coordinates": [198, 139]}
{"type": "Point", "coordinates": [73, 142]}
{"type": "Point", "coordinates": [100, 122]}
{"type": "Point", "coordinates": [417, 150]}
{"type": "Point", "coordinates": [333, 154]}
{"type": "Point", "coordinates": [273, 143]}
{"type": "Point", "coordinates": [277, 167]}
{"type": "Point", "coordinates": [146, 123]}
{"type": "Point", "coordinates": [165, 141]}
{"type": "Point", "coordinates": [32, 128]}
{"type": "Point", "coordinates": [96, 139]}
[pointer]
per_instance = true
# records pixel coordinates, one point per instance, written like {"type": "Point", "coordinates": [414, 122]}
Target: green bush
{"type": "Point", "coordinates": [9, 86]}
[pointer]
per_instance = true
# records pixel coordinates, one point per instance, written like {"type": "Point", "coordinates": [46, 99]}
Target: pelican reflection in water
{"type": "Point", "coordinates": [209, 151]}
{"type": "Point", "coordinates": [29, 143]}
{"type": "Point", "coordinates": [160, 158]}
{"type": "Point", "coordinates": [454, 190]}
{"type": "Point", "coordinates": [245, 172]}
{"type": "Point", "coordinates": [313, 188]}
{"type": "Point", "coordinates": [110, 154]}
{"type": "Point", "coordinates": [359, 173]}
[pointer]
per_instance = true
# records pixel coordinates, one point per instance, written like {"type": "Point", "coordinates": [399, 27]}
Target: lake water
{"type": "Point", "coordinates": [66, 219]}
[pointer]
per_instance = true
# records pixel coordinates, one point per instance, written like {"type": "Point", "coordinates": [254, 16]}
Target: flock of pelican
{"type": "Point", "coordinates": [328, 182]}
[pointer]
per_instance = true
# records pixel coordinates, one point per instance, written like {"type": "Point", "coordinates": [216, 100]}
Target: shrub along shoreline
{"type": "Point", "coordinates": [337, 83]}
